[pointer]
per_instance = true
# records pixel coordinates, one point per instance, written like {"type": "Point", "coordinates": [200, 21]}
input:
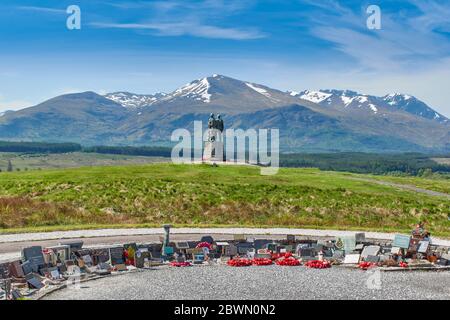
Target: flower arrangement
{"type": "Point", "coordinates": [288, 261]}
{"type": "Point", "coordinates": [180, 264]}
{"type": "Point", "coordinates": [366, 265]}
{"type": "Point", "coordinates": [262, 261]}
{"type": "Point", "coordinates": [239, 262]}
{"type": "Point", "coordinates": [317, 264]}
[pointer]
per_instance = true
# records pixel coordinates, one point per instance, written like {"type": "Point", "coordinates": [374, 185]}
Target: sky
{"type": "Point", "coordinates": [157, 46]}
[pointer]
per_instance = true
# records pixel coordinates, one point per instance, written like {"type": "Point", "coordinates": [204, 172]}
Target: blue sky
{"type": "Point", "coordinates": [149, 46]}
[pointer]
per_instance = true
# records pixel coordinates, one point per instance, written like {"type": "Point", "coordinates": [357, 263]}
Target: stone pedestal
{"type": "Point", "coordinates": [214, 146]}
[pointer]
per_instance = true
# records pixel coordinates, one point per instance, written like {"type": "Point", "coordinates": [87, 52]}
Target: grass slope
{"type": "Point", "coordinates": [203, 195]}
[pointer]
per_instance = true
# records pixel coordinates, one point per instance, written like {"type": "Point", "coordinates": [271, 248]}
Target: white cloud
{"type": "Point", "coordinates": [42, 9]}
{"type": "Point", "coordinates": [187, 28]}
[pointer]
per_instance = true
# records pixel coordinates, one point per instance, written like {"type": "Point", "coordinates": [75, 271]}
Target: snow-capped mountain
{"type": "Point", "coordinates": [413, 105]}
{"type": "Point", "coordinates": [350, 101]}
{"type": "Point", "coordinates": [324, 120]}
{"type": "Point", "coordinates": [133, 100]}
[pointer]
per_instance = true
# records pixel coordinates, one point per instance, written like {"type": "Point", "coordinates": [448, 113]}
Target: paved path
{"type": "Point", "coordinates": [263, 283]}
{"type": "Point", "coordinates": [408, 187]}
{"type": "Point", "coordinates": [59, 235]}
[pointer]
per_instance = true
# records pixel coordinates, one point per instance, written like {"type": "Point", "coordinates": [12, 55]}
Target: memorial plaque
{"type": "Point", "coordinates": [445, 256]}
{"type": "Point", "coordinates": [15, 270]}
{"type": "Point", "coordinates": [359, 247]}
{"type": "Point", "coordinates": [402, 241]}
{"type": "Point", "coordinates": [423, 246]}
{"type": "Point", "coordinates": [100, 255]}
{"type": "Point", "coordinates": [338, 254]}
{"type": "Point", "coordinates": [346, 243]}
{"type": "Point", "coordinates": [230, 250]}
{"type": "Point", "coordinates": [4, 270]}
{"type": "Point", "coordinates": [360, 237]}
{"type": "Point", "coordinates": [307, 252]}
{"type": "Point", "coordinates": [370, 251]}
{"type": "Point", "coordinates": [182, 245]}
{"type": "Point", "coordinates": [35, 256]}
{"type": "Point", "coordinates": [116, 255]}
{"type": "Point", "coordinates": [351, 259]}
{"type": "Point", "coordinates": [396, 250]}
{"type": "Point", "coordinates": [34, 283]}
{"type": "Point", "coordinates": [290, 238]}
{"type": "Point", "coordinates": [373, 259]}
{"type": "Point", "coordinates": [27, 267]}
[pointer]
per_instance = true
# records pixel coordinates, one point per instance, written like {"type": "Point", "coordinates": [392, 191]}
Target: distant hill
{"type": "Point", "coordinates": [313, 121]}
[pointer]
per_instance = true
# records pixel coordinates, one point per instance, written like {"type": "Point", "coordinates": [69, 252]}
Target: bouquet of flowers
{"type": "Point", "coordinates": [239, 262]}
{"type": "Point", "coordinates": [317, 264]}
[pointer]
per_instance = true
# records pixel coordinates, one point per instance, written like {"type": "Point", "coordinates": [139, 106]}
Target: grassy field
{"type": "Point", "coordinates": [70, 160]}
{"type": "Point", "coordinates": [435, 184]}
{"type": "Point", "coordinates": [202, 195]}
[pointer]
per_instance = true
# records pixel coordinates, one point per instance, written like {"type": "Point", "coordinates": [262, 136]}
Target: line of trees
{"type": "Point", "coordinates": [38, 147]}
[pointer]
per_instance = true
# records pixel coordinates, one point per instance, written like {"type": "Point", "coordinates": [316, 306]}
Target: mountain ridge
{"type": "Point", "coordinates": [308, 120]}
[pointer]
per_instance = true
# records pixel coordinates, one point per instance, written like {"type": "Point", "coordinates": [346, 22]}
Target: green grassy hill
{"type": "Point", "coordinates": [203, 195]}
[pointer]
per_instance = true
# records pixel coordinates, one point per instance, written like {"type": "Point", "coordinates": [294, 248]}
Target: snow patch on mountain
{"type": "Point", "coordinates": [133, 100]}
{"type": "Point", "coordinates": [197, 90]}
{"type": "Point", "coordinates": [262, 91]}
{"type": "Point", "coordinates": [314, 96]}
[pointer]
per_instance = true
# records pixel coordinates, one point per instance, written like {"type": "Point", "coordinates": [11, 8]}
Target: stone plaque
{"type": "Point", "coordinates": [373, 259]}
{"type": "Point", "coordinates": [360, 237]}
{"type": "Point", "coordinates": [182, 245]}
{"type": "Point", "coordinates": [402, 241]}
{"type": "Point", "coordinates": [423, 246]}
{"type": "Point", "coordinates": [346, 243]}
{"type": "Point", "coordinates": [27, 267]}
{"type": "Point", "coordinates": [352, 259]}
{"type": "Point", "coordinates": [370, 251]}
{"type": "Point", "coordinates": [290, 238]}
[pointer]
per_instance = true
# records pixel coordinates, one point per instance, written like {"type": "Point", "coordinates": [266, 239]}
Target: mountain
{"type": "Point", "coordinates": [351, 101]}
{"type": "Point", "coordinates": [326, 120]}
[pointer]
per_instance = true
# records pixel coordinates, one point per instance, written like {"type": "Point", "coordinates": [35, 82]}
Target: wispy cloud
{"type": "Point", "coordinates": [406, 41]}
{"type": "Point", "coordinates": [198, 18]}
{"type": "Point", "coordinates": [187, 28]}
{"type": "Point", "coordinates": [42, 9]}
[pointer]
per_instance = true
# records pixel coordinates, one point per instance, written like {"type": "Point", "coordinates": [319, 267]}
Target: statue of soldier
{"type": "Point", "coordinates": [219, 123]}
{"type": "Point", "coordinates": [211, 121]}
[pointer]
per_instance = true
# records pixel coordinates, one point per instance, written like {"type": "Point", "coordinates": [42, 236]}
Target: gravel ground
{"type": "Point", "coordinates": [261, 283]}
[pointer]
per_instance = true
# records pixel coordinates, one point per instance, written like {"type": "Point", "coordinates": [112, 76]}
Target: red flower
{"type": "Point", "coordinates": [276, 256]}
{"type": "Point", "coordinates": [403, 264]}
{"type": "Point", "coordinates": [204, 245]}
{"type": "Point", "coordinates": [262, 261]}
{"type": "Point", "coordinates": [289, 261]}
{"type": "Point", "coordinates": [239, 262]}
{"type": "Point", "coordinates": [317, 264]}
{"type": "Point", "coordinates": [366, 265]}
{"type": "Point", "coordinates": [180, 264]}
